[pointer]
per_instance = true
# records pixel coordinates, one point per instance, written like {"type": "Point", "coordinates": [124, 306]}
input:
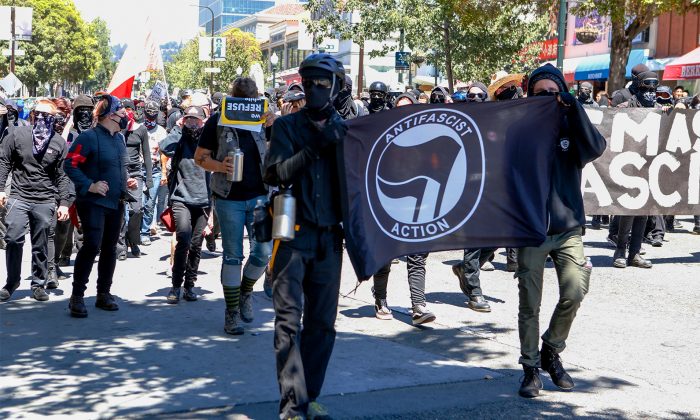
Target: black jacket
{"type": "Point", "coordinates": [579, 144]}
{"type": "Point", "coordinates": [97, 155]}
{"type": "Point", "coordinates": [138, 150]}
{"type": "Point", "coordinates": [192, 183]}
{"type": "Point", "coordinates": [36, 179]}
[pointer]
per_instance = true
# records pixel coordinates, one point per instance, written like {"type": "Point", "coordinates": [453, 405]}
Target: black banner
{"type": "Point", "coordinates": [425, 178]}
{"type": "Point", "coordinates": [651, 165]}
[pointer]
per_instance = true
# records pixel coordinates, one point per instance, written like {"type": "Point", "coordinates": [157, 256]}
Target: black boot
{"type": "Point", "coordinates": [52, 281]}
{"type": "Point", "coordinates": [77, 307]}
{"type": "Point", "coordinates": [531, 383]}
{"type": "Point", "coordinates": [551, 363]}
{"type": "Point", "coordinates": [106, 301]}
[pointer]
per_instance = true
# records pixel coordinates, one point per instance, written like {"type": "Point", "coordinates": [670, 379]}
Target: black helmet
{"type": "Point", "coordinates": [378, 87]}
{"type": "Point", "coordinates": [325, 62]}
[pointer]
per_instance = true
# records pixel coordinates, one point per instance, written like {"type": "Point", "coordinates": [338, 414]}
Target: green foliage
{"type": "Point", "coordinates": [105, 66]}
{"type": "Point", "coordinates": [483, 36]}
{"type": "Point", "coordinates": [63, 47]}
{"type": "Point", "coordinates": [186, 71]}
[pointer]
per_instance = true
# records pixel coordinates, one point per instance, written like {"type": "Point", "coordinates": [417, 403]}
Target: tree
{"type": "Point", "coordinates": [629, 18]}
{"type": "Point", "coordinates": [469, 39]}
{"type": "Point", "coordinates": [105, 66]}
{"type": "Point", "coordinates": [186, 71]}
{"type": "Point", "coordinates": [62, 48]}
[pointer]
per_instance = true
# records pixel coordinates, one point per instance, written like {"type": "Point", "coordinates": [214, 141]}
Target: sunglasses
{"type": "Point", "coordinates": [322, 83]}
{"type": "Point", "coordinates": [377, 95]}
{"type": "Point", "coordinates": [476, 96]}
{"type": "Point", "coordinates": [545, 93]}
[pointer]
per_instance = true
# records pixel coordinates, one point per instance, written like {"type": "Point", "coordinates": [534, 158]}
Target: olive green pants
{"type": "Point", "coordinates": [566, 250]}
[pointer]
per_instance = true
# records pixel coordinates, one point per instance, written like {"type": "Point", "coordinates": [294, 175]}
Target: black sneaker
{"type": "Point", "coordinates": [39, 293]}
{"type": "Point", "coordinates": [211, 243]}
{"type": "Point", "coordinates": [60, 275]}
{"type": "Point", "coordinates": [63, 262]}
{"type": "Point", "coordinates": [421, 315]}
{"type": "Point", "coordinates": [52, 281]}
{"type": "Point", "coordinates": [135, 251]}
{"type": "Point", "coordinates": [478, 303]}
{"type": "Point", "coordinates": [612, 240]}
{"type": "Point", "coordinates": [595, 224]}
{"type": "Point", "coordinates": [531, 383]}
{"type": "Point", "coordinates": [551, 363]}
{"type": "Point", "coordinates": [381, 310]}
{"type": "Point", "coordinates": [106, 302]}
{"type": "Point", "coordinates": [174, 295]}
{"type": "Point", "coordinates": [189, 295]}
{"type": "Point", "coordinates": [77, 308]}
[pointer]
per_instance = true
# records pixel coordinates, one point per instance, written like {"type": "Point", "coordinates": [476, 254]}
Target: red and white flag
{"type": "Point", "coordinates": [137, 58]}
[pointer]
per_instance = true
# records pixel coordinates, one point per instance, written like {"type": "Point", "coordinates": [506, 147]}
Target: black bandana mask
{"type": "Point", "coordinates": [59, 123]}
{"type": "Point", "coordinates": [377, 104]}
{"type": "Point", "coordinates": [12, 116]}
{"type": "Point", "coordinates": [150, 122]}
{"type": "Point", "coordinates": [508, 93]}
{"type": "Point", "coordinates": [83, 119]}
{"type": "Point", "coordinates": [139, 114]}
{"type": "Point", "coordinates": [42, 131]}
{"type": "Point", "coordinates": [646, 97]}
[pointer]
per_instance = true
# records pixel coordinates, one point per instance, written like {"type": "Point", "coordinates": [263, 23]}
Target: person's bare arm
{"type": "Point", "coordinates": [204, 160]}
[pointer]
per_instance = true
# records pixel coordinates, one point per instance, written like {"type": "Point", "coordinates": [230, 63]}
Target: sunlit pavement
{"type": "Point", "coordinates": [632, 351]}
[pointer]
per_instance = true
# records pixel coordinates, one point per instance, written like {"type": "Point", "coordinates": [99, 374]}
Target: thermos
{"type": "Point", "coordinates": [237, 174]}
{"type": "Point", "coordinates": [284, 219]}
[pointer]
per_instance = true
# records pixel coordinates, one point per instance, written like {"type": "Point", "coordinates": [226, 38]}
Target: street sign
{"type": "Point", "coordinates": [205, 48]}
{"type": "Point", "coordinates": [212, 70]}
{"type": "Point", "coordinates": [10, 83]}
{"type": "Point", "coordinates": [402, 61]}
{"type": "Point", "coordinates": [23, 23]}
{"type": "Point", "coordinates": [6, 52]}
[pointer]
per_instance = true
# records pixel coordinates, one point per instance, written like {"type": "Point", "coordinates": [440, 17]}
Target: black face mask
{"type": "Point", "coordinates": [664, 101]}
{"type": "Point", "coordinates": [59, 123]}
{"type": "Point", "coordinates": [123, 123]}
{"type": "Point", "coordinates": [343, 104]}
{"type": "Point", "coordinates": [12, 116]}
{"type": "Point", "coordinates": [83, 119]}
{"type": "Point", "coordinates": [584, 96]}
{"type": "Point", "coordinates": [376, 104]}
{"type": "Point", "coordinates": [194, 133]}
{"type": "Point", "coordinates": [509, 93]}
{"type": "Point", "coordinates": [646, 97]}
{"type": "Point", "coordinates": [139, 115]}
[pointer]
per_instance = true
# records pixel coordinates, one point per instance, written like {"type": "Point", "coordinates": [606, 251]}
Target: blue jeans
{"type": "Point", "coordinates": [233, 217]}
{"type": "Point", "coordinates": [149, 204]}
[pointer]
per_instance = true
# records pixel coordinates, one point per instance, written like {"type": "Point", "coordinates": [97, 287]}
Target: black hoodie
{"type": "Point", "coordinates": [579, 143]}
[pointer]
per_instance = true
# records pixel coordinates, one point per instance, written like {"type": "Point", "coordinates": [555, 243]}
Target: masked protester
{"type": "Point", "coordinates": [156, 197]}
{"type": "Point", "coordinates": [440, 95]}
{"type": "Point", "coordinates": [235, 203]}
{"type": "Point", "coordinates": [13, 116]}
{"type": "Point", "coordinates": [34, 156]}
{"type": "Point", "coordinates": [664, 97]}
{"type": "Point", "coordinates": [585, 95]}
{"type": "Point", "coordinates": [189, 197]}
{"type": "Point", "coordinates": [478, 92]}
{"type": "Point", "coordinates": [378, 97]}
{"type": "Point", "coordinates": [347, 107]}
{"type": "Point", "coordinates": [60, 232]}
{"type": "Point", "coordinates": [138, 151]}
{"type": "Point", "coordinates": [628, 232]}
{"type": "Point", "coordinates": [579, 143]}
{"type": "Point", "coordinates": [97, 165]}
{"type": "Point", "coordinates": [5, 124]}
{"type": "Point", "coordinates": [306, 270]}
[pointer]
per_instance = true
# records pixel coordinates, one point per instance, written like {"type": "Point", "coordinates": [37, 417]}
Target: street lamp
{"type": "Point", "coordinates": [211, 55]}
{"type": "Point", "coordinates": [274, 60]}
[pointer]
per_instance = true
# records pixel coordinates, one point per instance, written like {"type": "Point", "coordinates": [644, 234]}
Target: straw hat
{"type": "Point", "coordinates": [501, 78]}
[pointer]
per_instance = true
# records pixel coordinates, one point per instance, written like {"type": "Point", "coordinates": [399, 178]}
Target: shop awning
{"type": "Point", "coordinates": [686, 67]}
{"type": "Point", "coordinates": [570, 65]}
{"type": "Point", "coordinates": [597, 67]}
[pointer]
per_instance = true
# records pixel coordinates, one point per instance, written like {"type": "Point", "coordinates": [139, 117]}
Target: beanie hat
{"type": "Point", "coordinates": [83, 100]}
{"type": "Point", "coordinates": [547, 71]}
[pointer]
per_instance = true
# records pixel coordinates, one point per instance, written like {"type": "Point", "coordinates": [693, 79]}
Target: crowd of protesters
{"type": "Point", "coordinates": [105, 175]}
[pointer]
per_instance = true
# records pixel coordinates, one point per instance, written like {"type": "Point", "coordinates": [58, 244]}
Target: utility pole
{"type": "Point", "coordinates": [12, 41]}
{"type": "Point", "coordinates": [561, 36]}
{"type": "Point", "coordinates": [211, 50]}
{"type": "Point", "coordinates": [401, 43]}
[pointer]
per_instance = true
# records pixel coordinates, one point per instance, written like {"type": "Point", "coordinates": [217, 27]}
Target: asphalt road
{"type": "Point", "coordinates": [633, 350]}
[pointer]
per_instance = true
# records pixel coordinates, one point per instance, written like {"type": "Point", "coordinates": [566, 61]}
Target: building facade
{"type": "Point", "coordinates": [227, 12]}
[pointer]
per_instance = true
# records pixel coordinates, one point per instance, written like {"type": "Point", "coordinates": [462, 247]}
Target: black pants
{"type": "Point", "coordinates": [20, 216]}
{"type": "Point", "coordinates": [100, 235]}
{"type": "Point", "coordinates": [305, 275]}
{"type": "Point", "coordinates": [58, 236]}
{"type": "Point", "coordinates": [63, 240]}
{"type": "Point", "coordinates": [131, 231]}
{"type": "Point", "coordinates": [190, 223]}
{"type": "Point", "coordinates": [630, 228]}
{"type": "Point", "coordinates": [415, 265]}
{"type": "Point", "coordinates": [472, 261]}
{"type": "Point", "coordinates": [655, 227]}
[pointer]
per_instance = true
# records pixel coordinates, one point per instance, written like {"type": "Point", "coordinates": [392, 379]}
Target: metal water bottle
{"type": "Point", "coordinates": [284, 218]}
{"type": "Point", "coordinates": [237, 174]}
